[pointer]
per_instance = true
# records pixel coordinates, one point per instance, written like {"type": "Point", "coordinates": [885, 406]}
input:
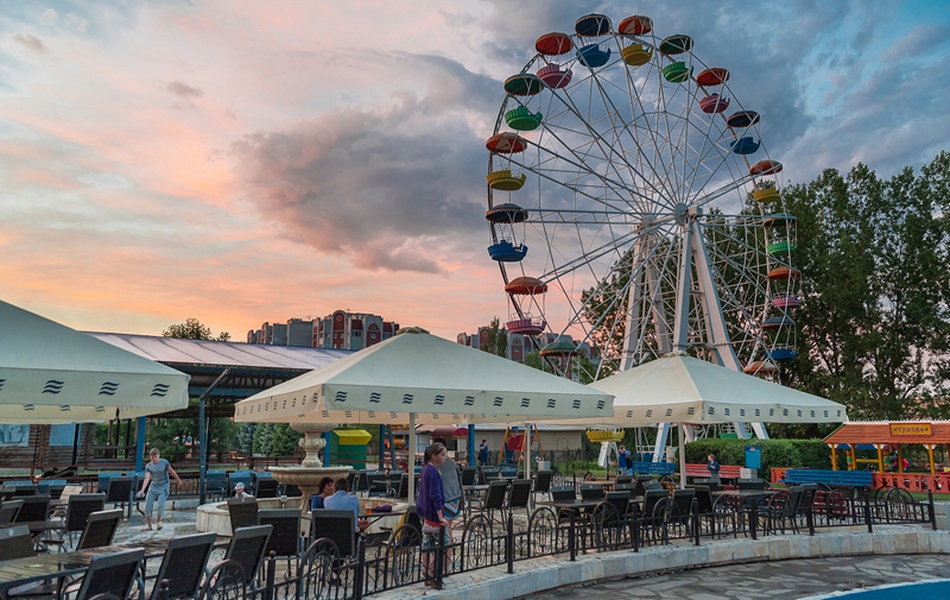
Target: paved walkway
{"type": "Point", "coordinates": [783, 579]}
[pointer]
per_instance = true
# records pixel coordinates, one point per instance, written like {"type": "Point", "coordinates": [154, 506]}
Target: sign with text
{"type": "Point", "coordinates": [911, 429]}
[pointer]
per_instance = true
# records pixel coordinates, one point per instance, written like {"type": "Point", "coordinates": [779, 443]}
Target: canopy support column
{"type": "Point", "coordinates": [411, 462]}
{"type": "Point", "coordinates": [139, 445]}
{"type": "Point", "coordinates": [471, 445]}
{"type": "Point", "coordinates": [203, 437]}
{"type": "Point", "coordinates": [682, 455]}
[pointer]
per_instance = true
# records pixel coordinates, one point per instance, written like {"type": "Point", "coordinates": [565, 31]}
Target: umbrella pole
{"type": "Point", "coordinates": [411, 463]}
{"type": "Point", "coordinates": [682, 456]}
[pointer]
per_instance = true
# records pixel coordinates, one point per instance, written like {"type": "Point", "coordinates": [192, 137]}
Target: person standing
{"type": "Point", "coordinates": [157, 472]}
{"type": "Point", "coordinates": [430, 507]}
{"type": "Point", "coordinates": [483, 453]}
{"type": "Point", "coordinates": [451, 489]}
{"type": "Point", "coordinates": [713, 467]}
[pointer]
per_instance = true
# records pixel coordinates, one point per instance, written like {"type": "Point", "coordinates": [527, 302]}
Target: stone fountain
{"type": "Point", "coordinates": [310, 471]}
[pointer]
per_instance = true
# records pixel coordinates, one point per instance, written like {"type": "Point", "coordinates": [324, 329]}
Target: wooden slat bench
{"type": "Point", "coordinates": [847, 479]}
{"type": "Point", "coordinates": [700, 470]}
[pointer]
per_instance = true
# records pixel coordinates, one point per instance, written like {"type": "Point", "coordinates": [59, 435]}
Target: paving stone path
{"type": "Point", "coordinates": [753, 581]}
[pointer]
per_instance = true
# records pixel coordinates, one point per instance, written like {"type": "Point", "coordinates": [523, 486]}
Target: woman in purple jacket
{"type": "Point", "coordinates": [429, 506]}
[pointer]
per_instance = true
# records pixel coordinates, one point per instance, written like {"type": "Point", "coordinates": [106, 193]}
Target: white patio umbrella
{"type": "Point", "coordinates": [681, 389]}
{"type": "Point", "coordinates": [50, 373]}
{"type": "Point", "coordinates": [414, 373]}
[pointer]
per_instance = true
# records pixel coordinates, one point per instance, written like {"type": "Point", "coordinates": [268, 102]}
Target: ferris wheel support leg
{"type": "Point", "coordinates": [662, 435]}
{"type": "Point", "coordinates": [742, 430]}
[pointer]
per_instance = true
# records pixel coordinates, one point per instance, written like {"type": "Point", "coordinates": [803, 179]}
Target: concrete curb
{"type": "Point", "coordinates": [553, 572]}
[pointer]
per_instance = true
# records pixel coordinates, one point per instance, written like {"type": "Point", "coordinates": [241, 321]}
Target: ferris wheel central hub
{"type": "Point", "coordinates": [682, 213]}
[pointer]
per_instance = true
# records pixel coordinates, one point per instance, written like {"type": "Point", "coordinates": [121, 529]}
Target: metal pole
{"type": "Point", "coordinates": [139, 446]}
{"type": "Point", "coordinates": [77, 436]}
{"type": "Point", "coordinates": [203, 437]}
{"type": "Point", "coordinates": [471, 446]}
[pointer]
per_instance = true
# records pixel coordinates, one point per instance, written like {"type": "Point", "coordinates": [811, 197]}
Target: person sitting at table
{"type": "Point", "coordinates": [342, 500]}
{"type": "Point", "coordinates": [325, 487]}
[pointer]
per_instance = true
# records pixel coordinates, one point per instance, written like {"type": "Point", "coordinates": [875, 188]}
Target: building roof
{"type": "Point", "coordinates": [880, 432]}
{"type": "Point", "coordinates": [250, 368]}
{"type": "Point", "coordinates": [172, 351]}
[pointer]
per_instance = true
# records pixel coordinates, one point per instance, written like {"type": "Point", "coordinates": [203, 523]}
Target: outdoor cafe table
{"type": "Point", "coordinates": [42, 567]}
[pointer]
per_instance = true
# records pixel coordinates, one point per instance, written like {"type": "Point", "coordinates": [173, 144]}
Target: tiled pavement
{"type": "Point", "coordinates": [772, 580]}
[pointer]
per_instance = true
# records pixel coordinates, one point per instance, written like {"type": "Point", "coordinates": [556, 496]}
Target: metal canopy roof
{"type": "Point", "coordinates": [251, 368]}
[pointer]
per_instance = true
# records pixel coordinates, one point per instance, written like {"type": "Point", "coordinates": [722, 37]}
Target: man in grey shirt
{"type": "Point", "coordinates": [157, 471]}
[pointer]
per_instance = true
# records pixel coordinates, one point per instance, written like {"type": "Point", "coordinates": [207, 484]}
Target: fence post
{"type": "Point", "coordinates": [360, 570]}
{"type": "Point", "coordinates": [867, 512]}
{"type": "Point", "coordinates": [694, 509]}
{"type": "Point", "coordinates": [572, 539]}
{"type": "Point", "coordinates": [810, 516]}
{"type": "Point", "coordinates": [753, 519]}
{"type": "Point", "coordinates": [931, 513]}
{"type": "Point", "coordinates": [440, 558]}
{"type": "Point", "coordinates": [271, 575]}
{"type": "Point", "coordinates": [510, 544]}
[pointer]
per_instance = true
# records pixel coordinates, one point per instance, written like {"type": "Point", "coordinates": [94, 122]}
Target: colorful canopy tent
{"type": "Point", "coordinates": [50, 373]}
{"type": "Point", "coordinates": [414, 373]}
{"type": "Point", "coordinates": [680, 389]}
{"type": "Point", "coordinates": [881, 434]}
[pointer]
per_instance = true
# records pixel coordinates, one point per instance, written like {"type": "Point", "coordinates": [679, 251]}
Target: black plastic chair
{"type": "Point", "coordinates": [592, 492]}
{"type": "Point", "coordinates": [121, 490]}
{"type": "Point", "coordinates": [336, 525]}
{"type": "Point", "coordinates": [227, 581]}
{"type": "Point", "coordinates": [563, 493]}
{"type": "Point", "coordinates": [519, 493]}
{"type": "Point", "coordinates": [542, 482]}
{"type": "Point", "coordinates": [469, 475]}
{"type": "Point", "coordinates": [243, 512]}
{"type": "Point", "coordinates": [183, 566]}
{"type": "Point", "coordinates": [100, 529]}
{"type": "Point", "coordinates": [9, 510]}
{"type": "Point", "coordinates": [78, 509]}
{"type": "Point", "coordinates": [266, 487]}
{"type": "Point", "coordinates": [216, 484]}
{"type": "Point", "coordinates": [35, 508]}
{"type": "Point", "coordinates": [620, 500]}
{"type": "Point", "coordinates": [247, 549]}
{"type": "Point", "coordinates": [495, 498]}
{"type": "Point", "coordinates": [285, 537]}
{"type": "Point", "coordinates": [751, 484]}
{"type": "Point", "coordinates": [15, 542]}
{"type": "Point", "coordinates": [623, 479]}
{"type": "Point", "coordinates": [111, 575]}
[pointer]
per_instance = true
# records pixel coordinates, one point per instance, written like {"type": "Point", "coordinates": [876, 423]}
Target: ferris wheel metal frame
{"type": "Point", "coordinates": [614, 148]}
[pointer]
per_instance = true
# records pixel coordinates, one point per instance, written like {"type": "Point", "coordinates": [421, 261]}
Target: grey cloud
{"type": "Point", "coordinates": [30, 42]}
{"type": "Point", "coordinates": [393, 189]}
{"type": "Point", "coordinates": [183, 90]}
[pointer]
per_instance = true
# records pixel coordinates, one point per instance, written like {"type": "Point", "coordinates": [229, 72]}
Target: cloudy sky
{"type": "Point", "coordinates": [242, 162]}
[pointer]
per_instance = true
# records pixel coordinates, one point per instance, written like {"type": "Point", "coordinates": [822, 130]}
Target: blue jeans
{"type": "Point", "coordinates": [155, 495]}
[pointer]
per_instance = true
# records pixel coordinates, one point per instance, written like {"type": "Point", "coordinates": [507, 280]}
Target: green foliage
{"type": "Point", "coordinates": [813, 454]}
{"type": "Point", "coordinates": [497, 343]}
{"type": "Point", "coordinates": [245, 437]}
{"type": "Point", "coordinates": [192, 329]}
{"type": "Point", "coordinates": [275, 439]}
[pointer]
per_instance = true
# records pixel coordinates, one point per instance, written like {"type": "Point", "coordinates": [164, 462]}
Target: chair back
{"type": "Point", "coordinates": [619, 499]}
{"type": "Point", "coordinates": [563, 493]}
{"type": "Point", "coordinates": [592, 492]}
{"type": "Point", "coordinates": [111, 575]}
{"type": "Point", "coordinates": [266, 487]}
{"type": "Point", "coordinates": [468, 475]}
{"type": "Point", "coordinates": [495, 497]}
{"type": "Point", "coordinates": [704, 499]}
{"type": "Point", "coordinates": [70, 490]}
{"type": "Point", "coordinates": [626, 488]}
{"type": "Point", "coordinates": [15, 542]}
{"type": "Point", "coordinates": [684, 500]}
{"type": "Point", "coordinates": [243, 476]}
{"type": "Point", "coordinates": [337, 525]}
{"type": "Point", "coordinates": [292, 490]}
{"type": "Point", "coordinates": [751, 484]}
{"type": "Point", "coordinates": [542, 482]}
{"type": "Point", "coordinates": [643, 482]}
{"type": "Point", "coordinates": [9, 510]}
{"type": "Point", "coordinates": [650, 499]}
{"type": "Point", "coordinates": [35, 508]}
{"type": "Point", "coordinates": [79, 507]}
{"type": "Point", "coordinates": [247, 548]}
{"type": "Point", "coordinates": [26, 488]}
{"type": "Point", "coordinates": [808, 497]}
{"type": "Point", "coordinates": [490, 474]}
{"type": "Point", "coordinates": [183, 565]}
{"type": "Point", "coordinates": [403, 491]}
{"type": "Point", "coordinates": [624, 479]}
{"type": "Point", "coordinates": [243, 512]}
{"type": "Point", "coordinates": [361, 481]}
{"type": "Point", "coordinates": [285, 538]}
{"type": "Point", "coordinates": [519, 492]}
{"type": "Point", "coordinates": [120, 490]}
{"type": "Point", "coordinates": [100, 529]}
{"type": "Point", "coordinates": [216, 482]}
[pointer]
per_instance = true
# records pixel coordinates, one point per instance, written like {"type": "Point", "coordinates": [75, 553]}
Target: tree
{"type": "Point", "coordinates": [193, 329]}
{"type": "Point", "coordinates": [497, 343]}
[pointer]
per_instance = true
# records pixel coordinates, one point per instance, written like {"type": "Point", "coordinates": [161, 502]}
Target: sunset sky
{"type": "Point", "coordinates": [241, 162]}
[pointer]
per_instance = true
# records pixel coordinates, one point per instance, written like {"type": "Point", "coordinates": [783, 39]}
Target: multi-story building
{"type": "Point", "coordinates": [341, 330]}
{"type": "Point", "coordinates": [351, 331]}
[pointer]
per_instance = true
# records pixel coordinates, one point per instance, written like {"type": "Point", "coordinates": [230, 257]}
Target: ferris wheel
{"type": "Point", "coordinates": [633, 206]}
